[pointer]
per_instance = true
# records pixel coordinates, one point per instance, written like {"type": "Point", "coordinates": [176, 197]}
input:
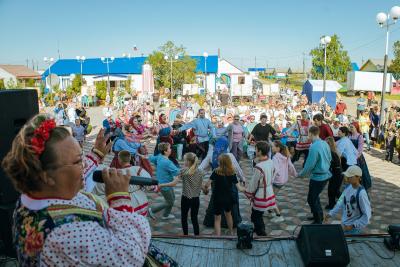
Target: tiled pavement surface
{"type": "Point", "coordinates": [292, 200]}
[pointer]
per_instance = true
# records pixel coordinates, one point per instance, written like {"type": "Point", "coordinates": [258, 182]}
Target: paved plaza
{"type": "Point", "coordinates": [292, 199]}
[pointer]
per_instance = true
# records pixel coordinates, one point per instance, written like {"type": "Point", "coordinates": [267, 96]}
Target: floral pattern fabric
{"type": "Point", "coordinates": [58, 232]}
{"type": "Point", "coordinates": [32, 227]}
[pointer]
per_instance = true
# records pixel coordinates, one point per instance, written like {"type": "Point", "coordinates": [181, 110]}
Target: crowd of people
{"type": "Point", "coordinates": [64, 218]}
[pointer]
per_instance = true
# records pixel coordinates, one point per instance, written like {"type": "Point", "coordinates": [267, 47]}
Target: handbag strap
{"type": "Point", "coordinates": [264, 182]}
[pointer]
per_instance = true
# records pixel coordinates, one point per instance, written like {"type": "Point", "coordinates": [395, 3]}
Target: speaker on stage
{"type": "Point", "coordinates": [323, 245]}
{"type": "Point", "coordinates": [16, 108]}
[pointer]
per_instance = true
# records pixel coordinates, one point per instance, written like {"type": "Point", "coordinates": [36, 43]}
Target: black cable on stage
{"type": "Point", "coordinates": [373, 249]}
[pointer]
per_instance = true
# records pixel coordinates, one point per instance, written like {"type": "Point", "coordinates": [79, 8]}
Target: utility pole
{"type": "Point", "coordinates": [27, 61]}
{"type": "Point", "coordinates": [304, 66]}
{"type": "Point", "coordinates": [58, 49]}
{"type": "Point", "coordinates": [255, 62]}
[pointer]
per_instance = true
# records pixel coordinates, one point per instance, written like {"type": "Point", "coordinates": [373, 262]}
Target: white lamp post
{"type": "Point", "coordinates": [81, 59]}
{"type": "Point", "coordinates": [205, 55]}
{"type": "Point", "coordinates": [107, 61]}
{"type": "Point", "coordinates": [383, 20]}
{"type": "Point", "coordinates": [325, 40]}
{"type": "Point", "coordinates": [49, 61]}
{"type": "Point", "coordinates": [166, 57]}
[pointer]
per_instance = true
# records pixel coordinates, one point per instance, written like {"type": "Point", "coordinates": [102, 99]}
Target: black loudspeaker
{"type": "Point", "coordinates": [245, 235]}
{"type": "Point", "coordinates": [16, 108]}
{"type": "Point", "coordinates": [323, 245]}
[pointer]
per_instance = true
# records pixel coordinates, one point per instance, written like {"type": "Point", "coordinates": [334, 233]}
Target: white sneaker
{"type": "Point", "coordinates": [169, 217]}
{"type": "Point", "coordinates": [277, 219]}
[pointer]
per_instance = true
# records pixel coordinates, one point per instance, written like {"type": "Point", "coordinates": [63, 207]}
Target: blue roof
{"type": "Point", "coordinates": [354, 66]}
{"type": "Point", "coordinates": [94, 66]}
{"type": "Point", "coordinates": [256, 69]}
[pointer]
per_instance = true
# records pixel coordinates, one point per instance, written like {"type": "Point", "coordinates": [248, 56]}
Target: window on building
{"type": "Point", "coordinates": [241, 80]}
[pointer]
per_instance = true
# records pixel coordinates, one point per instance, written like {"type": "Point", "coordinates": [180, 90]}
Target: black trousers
{"type": "Point", "coordinates": [202, 150]}
{"type": "Point", "coordinates": [257, 220]}
{"type": "Point", "coordinates": [314, 190]}
{"type": "Point", "coordinates": [334, 188]}
{"type": "Point", "coordinates": [297, 155]}
{"type": "Point", "coordinates": [389, 153]}
{"type": "Point", "coordinates": [193, 205]}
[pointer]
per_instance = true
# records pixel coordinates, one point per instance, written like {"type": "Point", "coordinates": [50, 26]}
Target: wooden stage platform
{"type": "Point", "coordinates": [364, 251]}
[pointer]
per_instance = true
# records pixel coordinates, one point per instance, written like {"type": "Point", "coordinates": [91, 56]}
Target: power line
{"type": "Point", "coordinates": [372, 41]}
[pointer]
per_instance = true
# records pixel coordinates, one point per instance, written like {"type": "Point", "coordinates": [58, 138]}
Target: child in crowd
{"type": "Point", "coordinates": [78, 132]}
{"type": "Point", "coordinates": [165, 173]}
{"type": "Point", "coordinates": [390, 144]}
{"type": "Point", "coordinates": [139, 199]}
{"type": "Point", "coordinates": [192, 179]}
{"type": "Point", "coordinates": [354, 203]}
{"type": "Point", "coordinates": [259, 189]}
{"type": "Point", "coordinates": [336, 180]}
{"type": "Point", "coordinates": [224, 178]}
{"type": "Point", "coordinates": [289, 140]}
{"type": "Point", "coordinates": [283, 168]}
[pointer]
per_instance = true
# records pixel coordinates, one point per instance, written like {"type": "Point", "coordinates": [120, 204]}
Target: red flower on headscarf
{"type": "Point", "coordinates": [41, 135]}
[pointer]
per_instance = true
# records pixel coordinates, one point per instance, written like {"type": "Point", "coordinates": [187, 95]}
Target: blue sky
{"type": "Point", "coordinates": [276, 32]}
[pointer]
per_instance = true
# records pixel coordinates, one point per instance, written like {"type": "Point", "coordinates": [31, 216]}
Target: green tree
{"type": "Point", "coordinates": [11, 84]}
{"type": "Point", "coordinates": [128, 85]}
{"type": "Point", "coordinates": [75, 87]}
{"type": "Point", "coordinates": [30, 83]}
{"type": "Point", "coordinates": [2, 85]}
{"type": "Point", "coordinates": [101, 90]}
{"type": "Point", "coordinates": [170, 49]}
{"type": "Point", "coordinates": [394, 68]}
{"type": "Point", "coordinates": [337, 61]}
{"type": "Point", "coordinates": [183, 69]}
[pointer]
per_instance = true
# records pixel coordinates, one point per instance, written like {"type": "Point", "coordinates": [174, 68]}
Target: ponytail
{"type": "Point", "coordinates": [193, 161]}
{"type": "Point", "coordinates": [283, 149]}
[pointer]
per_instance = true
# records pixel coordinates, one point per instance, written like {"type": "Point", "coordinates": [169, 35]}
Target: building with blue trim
{"type": "Point", "coordinates": [121, 69]}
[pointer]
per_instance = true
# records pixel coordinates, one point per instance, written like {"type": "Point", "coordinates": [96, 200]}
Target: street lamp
{"type": "Point", "coordinates": [81, 59]}
{"type": "Point", "coordinates": [107, 61]}
{"type": "Point", "coordinates": [383, 20]}
{"type": "Point", "coordinates": [49, 61]}
{"type": "Point", "coordinates": [166, 57]}
{"type": "Point", "coordinates": [325, 40]}
{"type": "Point", "coordinates": [205, 55]}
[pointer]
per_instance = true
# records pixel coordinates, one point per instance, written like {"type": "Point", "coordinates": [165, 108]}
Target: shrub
{"type": "Point", "coordinates": [101, 90]}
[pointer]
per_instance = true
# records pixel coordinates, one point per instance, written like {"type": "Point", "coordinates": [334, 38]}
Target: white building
{"type": "Point", "coordinates": [120, 69]}
{"type": "Point", "coordinates": [18, 74]}
{"type": "Point", "coordinates": [233, 79]}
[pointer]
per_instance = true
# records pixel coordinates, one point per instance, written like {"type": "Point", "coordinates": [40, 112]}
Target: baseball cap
{"type": "Point", "coordinates": [353, 171]}
{"type": "Point", "coordinates": [336, 119]}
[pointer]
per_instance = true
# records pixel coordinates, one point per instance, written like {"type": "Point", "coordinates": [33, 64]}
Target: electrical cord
{"type": "Point", "coordinates": [242, 250]}
{"type": "Point", "coordinates": [373, 249]}
{"type": "Point", "coordinates": [257, 255]}
{"type": "Point", "coordinates": [292, 237]}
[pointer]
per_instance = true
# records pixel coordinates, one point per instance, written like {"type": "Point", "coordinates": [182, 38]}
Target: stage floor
{"type": "Point", "coordinates": [364, 251]}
